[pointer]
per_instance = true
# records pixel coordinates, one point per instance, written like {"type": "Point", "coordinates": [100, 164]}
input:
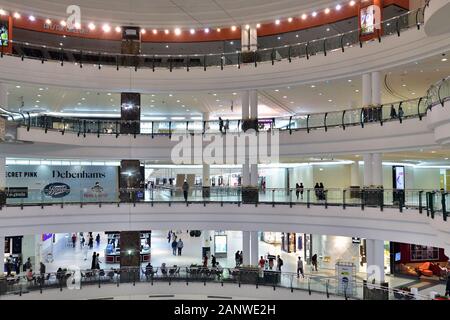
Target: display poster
{"type": "Point", "coordinates": [220, 244]}
{"type": "Point", "coordinates": [47, 236]}
{"type": "Point", "coordinates": [345, 278]}
{"type": "Point", "coordinates": [4, 33]}
{"type": "Point", "coordinates": [46, 183]}
{"type": "Point", "coordinates": [367, 17]}
{"type": "Point", "coordinates": [399, 177]}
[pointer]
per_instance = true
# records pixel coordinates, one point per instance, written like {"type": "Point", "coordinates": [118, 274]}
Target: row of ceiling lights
{"type": "Point", "coordinates": [177, 31]}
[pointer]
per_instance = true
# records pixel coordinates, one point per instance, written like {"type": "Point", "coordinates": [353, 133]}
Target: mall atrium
{"type": "Point", "coordinates": [198, 149]}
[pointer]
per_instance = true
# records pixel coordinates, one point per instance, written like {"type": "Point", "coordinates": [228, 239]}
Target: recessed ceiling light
{"type": "Point", "coordinates": [352, 3]}
{"type": "Point", "coordinates": [329, 100]}
{"type": "Point", "coordinates": [349, 80]}
{"type": "Point", "coordinates": [18, 87]}
{"type": "Point", "coordinates": [91, 26]}
{"type": "Point", "coordinates": [313, 86]}
{"type": "Point", "coordinates": [2, 12]}
{"type": "Point", "coordinates": [166, 31]}
{"type": "Point", "coordinates": [445, 158]}
{"type": "Point", "coordinates": [170, 95]}
{"type": "Point", "coordinates": [314, 14]}
{"type": "Point", "coordinates": [63, 23]}
{"type": "Point", "coordinates": [192, 31]}
{"type": "Point", "coordinates": [234, 93]}
{"type": "Point", "coordinates": [258, 25]}
{"type": "Point", "coordinates": [328, 29]}
{"type": "Point", "coordinates": [118, 29]}
{"type": "Point", "coordinates": [284, 97]}
{"type": "Point", "coordinates": [32, 18]}
{"type": "Point", "coordinates": [327, 11]}
{"type": "Point", "coordinates": [154, 31]}
{"type": "Point", "coordinates": [233, 28]}
{"type": "Point", "coordinates": [444, 59]}
{"type": "Point", "coordinates": [16, 15]}
{"type": "Point", "coordinates": [206, 30]}
{"type": "Point", "coordinates": [277, 90]}
{"type": "Point", "coordinates": [356, 90]}
{"type": "Point", "coordinates": [106, 28]}
{"type": "Point", "coordinates": [304, 16]}
{"type": "Point", "coordinates": [277, 22]}
{"type": "Point", "coordinates": [177, 31]}
{"type": "Point", "coordinates": [290, 20]}
{"type": "Point", "coordinates": [338, 7]}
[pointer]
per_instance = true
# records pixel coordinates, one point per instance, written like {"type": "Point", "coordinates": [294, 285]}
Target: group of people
{"type": "Point", "coordinates": [319, 190]}
{"type": "Point", "coordinates": [238, 257]}
{"type": "Point", "coordinates": [177, 246]}
{"type": "Point", "coordinates": [268, 264]}
{"type": "Point", "coordinates": [90, 238]}
{"type": "Point", "coordinates": [223, 127]}
{"type": "Point", "coordinates": [394, 112]}
{"type": "Point", "coordinates": [299, 190]}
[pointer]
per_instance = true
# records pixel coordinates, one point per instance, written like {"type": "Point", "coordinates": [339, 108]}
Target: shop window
{"type": "Point", "coordinates": [424, 253]}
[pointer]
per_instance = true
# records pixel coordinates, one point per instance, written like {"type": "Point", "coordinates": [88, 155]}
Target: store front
{"type": "Point", "coordinates": [112, 251]}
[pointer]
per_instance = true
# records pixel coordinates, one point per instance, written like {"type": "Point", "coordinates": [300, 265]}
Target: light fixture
{"type": "Point", "coordinates": [329, 100]}
{"type": "Point", "coordinates": [352, 3]}
{"type": "Point", "coordinates": [18, 87]}
{"type": "Point", "coordinates": [444, 59]}
{"type": "Point", "coordinates": [155, 31]}
{"type": "Point", "coordinates": [192, 31]}
{"type": "Point", "coordinates": [327, 11]}
{"type": "Point", "coordinates": [143, 31]}
{"type": "Point", "coordinates": [258, 25]}
{"type": "Point", "coordinates": [313, 86]}
{"type": "Point", "coordinates": [218, 30]}
{"type": "Point", "coordinates": [304, 16]}
{"type": "Point", "coordinates": [48, 21]}
{"type": "Point", "coordinates": [32, 18]}
{"type": "Point", "coordinates": [16, 15]}
{"type": "Point", "coordinates": [290, 20]}
{"type": "Point", "coordinates": [247, 27]}
{"type": "Point", "coordinates": [314, 14]}
{"type": "Point", "coordinates": [118, 29]}
{"type": "Point", "coordinates": [338, 7]}
{"type": "Point", "coordinates": [328, 29]}
{"type": "Point", "coordinates": [2, 12]}
{"type": "Point", "coordinates": [206, 30]}
{"type": "Point", "coordinates": [166, 31]}
{"type": "Point", "coordinates": [177, 31]}
{"type": "Point", "coordinates": [77, 25]}
{"type": "Point", "coordinates": [277, 22]}
{"type": "Point", "coordinates": [106, 28]}
{"type": "Point", "coordinates": [91, 26]}
{"type": "Point", "coordinates": [63, 23]}
{"type": "Point", "coordinates": [233, 28]}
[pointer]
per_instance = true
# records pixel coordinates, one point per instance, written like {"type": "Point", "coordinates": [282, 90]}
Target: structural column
{"type": "Point", "coordinates": [249, 38]}
{"type": "Point", "coordinates": [246, 247]}
{"type": "Point", "coordinates": [376, 88]}
{"type": "Point", "coordinates": [254, 243]}
{"type": "Point", "coordinates": [375, 259]}
{"type": "Point", "coordinates": [366, 90]}
{"type": "Point", "coordinates": [254, 118]}
{"type": "Point", "coordinates": [2, 180]}
{"type": "Point", "coordinates": [377, 170]}
{"type": "Point", "coordinates": [368, 170]}
{"type": "Point", "coordinates": [2, 253]}
{"type": "Point", "coordinates": [354, 174]}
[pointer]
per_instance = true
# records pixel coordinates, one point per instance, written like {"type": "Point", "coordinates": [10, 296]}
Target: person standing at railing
{"type": "Point", "coordinates": [97, 239]}
{"type": "Point", "coordinates": [279, 263]}
{"type": "Point", "coordinates": [262, 262]}
{"type": "Point", "coordinates": [400, 112]}
{"type": "Point", "coordinates": [174, 247]}
{"type": "Point", "coordinates": [393, 112]}
{"type": "Point", "coordinates": [314, 262]}
{"type": "Point", "coordinates": [447, 286]}
{"type": "Point", "coordinates": [237, 258]}
{"type": "Point", "coordinates": [220, 125]}
{"type": "Point", "coordinates": [180, 246]}
{"type": "Point", "coordinates": [42, 269]}
{"type": "Point", "coordinates": [213, 261]}
{"type": "Point", "coordinates": [185, 190]}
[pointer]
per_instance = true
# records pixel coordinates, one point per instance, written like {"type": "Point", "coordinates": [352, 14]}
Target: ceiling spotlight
{"type": "Point", "coordinates": [192, 31]}
{"type": "Point", "coordinates": [206, 30]}
{"type": "Point", "coordinates": [247, 27]}
{"type": "Point", "coordinates": [352, 3]}
{"type": "Point", "coordinates": [48, 21]}
{"type": "Point", "coordinates": [118, 29]}
{"type": "Point", "coordinates": [2, 12]}
{"type": "Point", "coordinates": [314, 14]}
{"type": "Point", "coordinates": [166, 31]}
{"type": "Point", "coordinates": [327, 11]}
{"type": "Point", "coordinates": [106, 28]}
{"type": "Point", "coordinates": [304, 16]}
{"type": "Point", "coordinates": [63, 23]}
{"type": "Point", "coordinates": [77, 25]}
{"type": "Point", "coordinates": [91, 26]}
{"type": "Point", "coordinates": [290, 20]}
{"type": "Point", "coordinates": [277, 22]}
{"type": "Point", "coordinates": [444, 59]}
{"type": "Point", "coordinates": [32, 18]}
{"type": "Point", "coordinates": [338, 7]}
{"type": "Point", "coordinates": [258, 25]}
{"type": "Point", "coordinates": [143, 31]}
{"type": "Point", "coordinates": [218, 30]}
{"type": "Point", "coordinates": [16, 15]}
{"type": "Point", "coordinates": [155, 31]}
{"type": "Point", "coordinates": [177, 31]}
{"type": "Point", "coordinates": [233, 28]}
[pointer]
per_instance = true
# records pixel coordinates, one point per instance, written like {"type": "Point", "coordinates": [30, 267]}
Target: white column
{"type": "Point", "coordinates": [245, 104]}
{"type": "Point", "coordinates": [254, 243]}
{"type": "Point", "coordinates": [254, 175]}
{"type": "Point", "coordinates": [2, 253]}
{"type": "Point", "coordinates": [377, 169]}
{"type": "Point", "coordinates": [206, 175]}
{"type": "Point", "coordinates": [2, 173]}
{"type": "Point", "coordinates": [375, 259]}
{"type": "Point", "coordinates": [249, 38]}
{"type": "Point", "coordinates": [368, 169]}
{"type": "Point", "coordinates": [3, 96]}
{"type": "Point", "coordinates": [246, 247]}
{"type": "Point", "coordinates": [254, 104]}
{"type": "Point", "coordinates": [366, 89]}
{"type": "Point", "coordinates": [354, 174]}
{"type": "Point", "coordinates": [376, 88]}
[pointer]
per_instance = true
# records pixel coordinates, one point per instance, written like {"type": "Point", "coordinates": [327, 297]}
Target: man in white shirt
{"type": "Point", "coordinates": [300, 268]}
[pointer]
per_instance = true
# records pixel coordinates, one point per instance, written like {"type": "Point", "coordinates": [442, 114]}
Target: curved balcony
{"type": "Point", "coordinates": [149, 60]}
{"type": "Point", "coordinates": [230, 281]}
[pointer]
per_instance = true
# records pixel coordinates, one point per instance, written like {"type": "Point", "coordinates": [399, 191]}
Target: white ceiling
{"type": "Point", "coordinates": [406, 82]}
{"type": "Point", "coordinates": [170, 13]}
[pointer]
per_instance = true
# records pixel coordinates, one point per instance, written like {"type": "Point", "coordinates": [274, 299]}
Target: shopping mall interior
{"type": "Point", "coordinates": [298, 146]}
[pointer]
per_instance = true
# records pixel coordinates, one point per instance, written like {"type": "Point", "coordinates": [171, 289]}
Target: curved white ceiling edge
{"type": "Point", "coordinates": [393, 51]}
{"type": "Point", "coordinates": [436, 17]}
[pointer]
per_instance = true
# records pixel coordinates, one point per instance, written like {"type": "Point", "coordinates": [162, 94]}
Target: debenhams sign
{"type": "Point", "coordinates": [78, 175]}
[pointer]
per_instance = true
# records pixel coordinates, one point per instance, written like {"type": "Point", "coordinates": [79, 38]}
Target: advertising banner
{"type": "Point", "coordinates": [46, 183]}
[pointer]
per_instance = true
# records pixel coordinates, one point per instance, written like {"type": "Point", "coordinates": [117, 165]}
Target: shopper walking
{"type": "Point", "coordinates": [180, 246]}
{"type": "Point", "coordinates": [262, 262]}
{"type": "Point", "coordinates": [301, 190]}
{"type": "Point", "coordinates": [220, 125]}
{"type": "Point", "coordinates": [94, 262]}
{"type": "Point", "coordinates": [314, 262]}
{"type": "Point", "coordinates": [322, 191]}
{"type": "Point", "coordinates": [241, 258]}
{"type": "Point", "coordinates": [27, 266]}
{"type": "Point", "coordinates": [174, 247]}
{"type": "Point", "coordinates": [205, 261]}
{"type": "Point", "coordinates": [279, 263]}
{"type": "Point", "coordinates": [297, 190]}
{"type": "Point", "coordinates": [97, 239]}
{"type": "Point", "coordinates": [300, 268]}
{"type": "Point", "coordinates": [169, 236]}
{"type": "Point", "coordinates": [213, 261]}
{"type": "Point", "coordinates": [91, 242]}
{"type": "Point", "coordinates": [97, 261]}
{"type": "Point", "coordinates": [393, 112]}
{"type": "Point", "coordinates": [42, 269]}
{"type": "Point", "coordinates": [74, 240]}
{"type": "Point", "coordinates": [185, 190]}
{"type": "Point", "coordinates": [237, 258]}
